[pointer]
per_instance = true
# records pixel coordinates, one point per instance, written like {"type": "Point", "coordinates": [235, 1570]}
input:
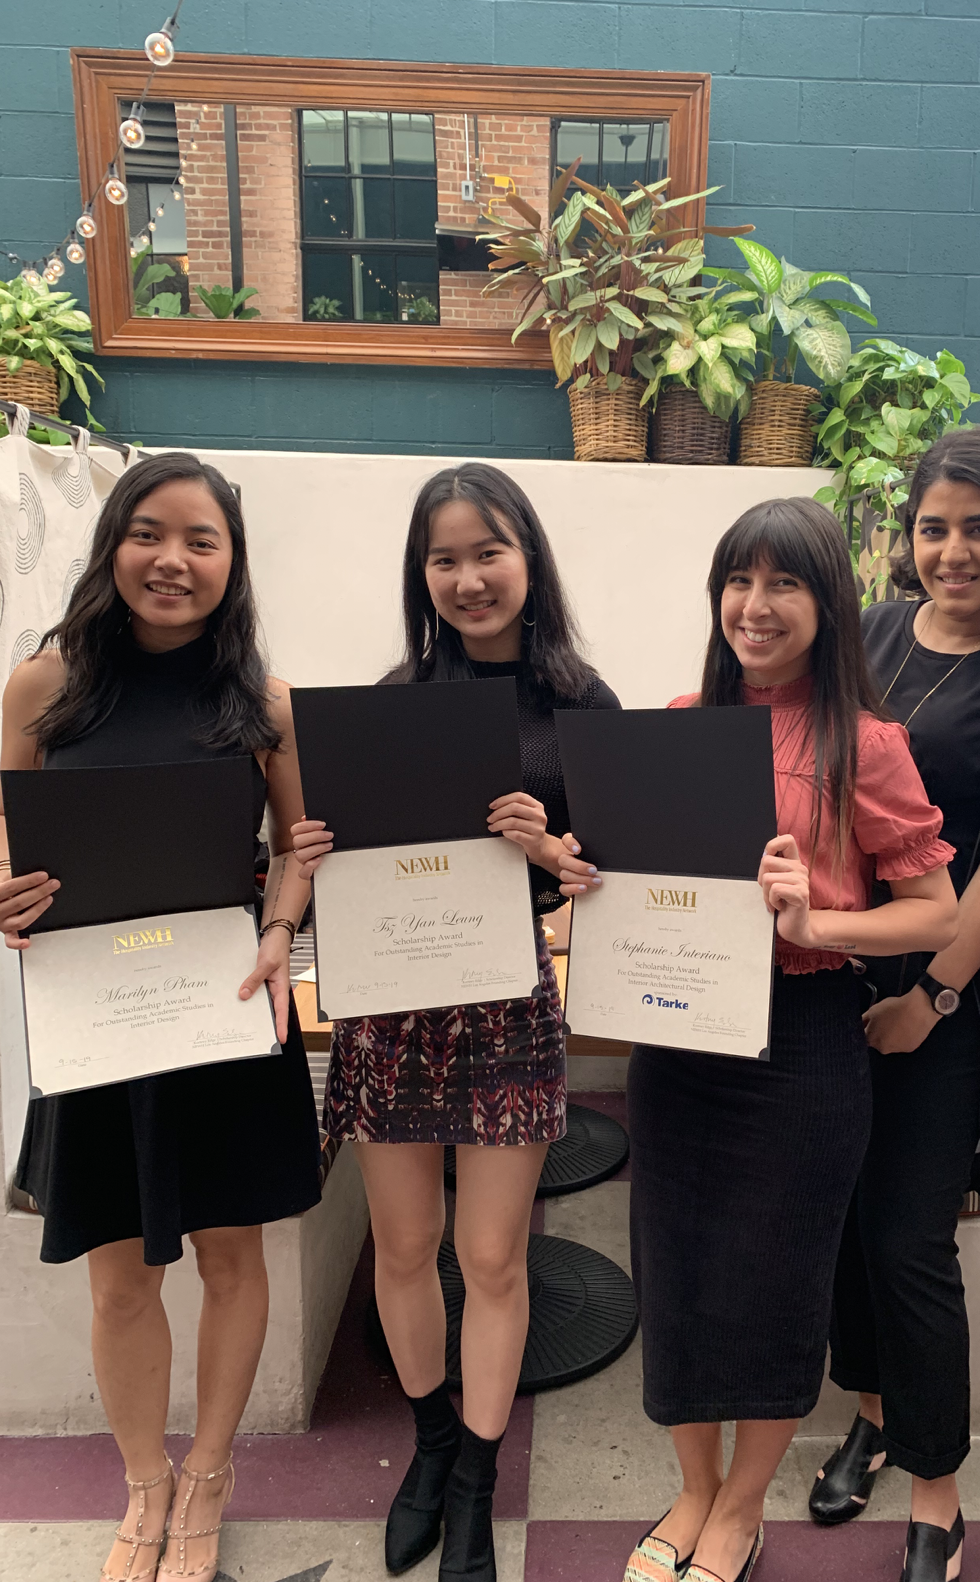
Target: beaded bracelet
{"type": "Point", "coordinates": [279, 922]}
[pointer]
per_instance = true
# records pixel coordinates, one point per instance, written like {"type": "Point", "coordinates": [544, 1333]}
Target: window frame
{"type": "Point", "coordinates": [103, 76]}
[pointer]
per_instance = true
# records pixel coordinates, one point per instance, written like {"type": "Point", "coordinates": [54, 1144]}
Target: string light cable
{"type": "Point", "coordinates": [160, 51]}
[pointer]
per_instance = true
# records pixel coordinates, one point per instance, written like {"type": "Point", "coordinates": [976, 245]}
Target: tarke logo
{"type": "Point", "coordinates": [671, 901]}
{"type": "Point", "coordinates": [420, 867]}
{"type": "Point", "coordinates": [144, 939]}
{"type": "Point", "coordinates": [666, 1005]}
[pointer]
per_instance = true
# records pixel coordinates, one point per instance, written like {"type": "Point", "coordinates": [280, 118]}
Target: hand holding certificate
{"type": "Point", "coordinates": [418, 906]}
{"type": "Point", "coordinates": [676, 948]}
{"type": "Point", "coordinates": [134, 967]}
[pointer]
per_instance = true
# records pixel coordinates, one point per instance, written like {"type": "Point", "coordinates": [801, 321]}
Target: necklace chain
{"type": "Point", "coordinates": [908, 656]}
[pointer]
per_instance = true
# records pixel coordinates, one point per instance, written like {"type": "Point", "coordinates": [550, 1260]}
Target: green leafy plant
{"type": "Point", "coordinates": [607, 275]}
{"type": "Point", "coordinates": [422, 310]}
{"type": "Point", "coordinates": [713, 352]}
{"type": "Point", "coordinates": [324, 308]}
{"type": "Point", "coordinates": [875, 423]}
{"type": "Point", "coordinates": [788, 302]}
{"type": "Point", "coordinates": [146, 275]}
{"type": "Point", "coordinates": [46, 327]}
{"type": "Point", "coordinates": [227, 304]}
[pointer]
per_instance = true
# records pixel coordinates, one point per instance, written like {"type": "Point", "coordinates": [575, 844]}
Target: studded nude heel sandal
{"type": "Point", "coordinates": [180, 1535]}
{"type": "Point", "coordinates": [138, 1540]}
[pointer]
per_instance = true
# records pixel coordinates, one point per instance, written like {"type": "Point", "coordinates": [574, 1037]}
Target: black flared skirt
{"type": "Point", "coordinates": [231, 1144]}
{"type": "Point", "coordinates": [742, 1173]}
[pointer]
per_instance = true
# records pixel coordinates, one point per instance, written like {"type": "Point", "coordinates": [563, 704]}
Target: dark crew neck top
{"type": "Point", "coordinates": [540, 760]}
{"type": "Point", "coordinates": [944, 733]}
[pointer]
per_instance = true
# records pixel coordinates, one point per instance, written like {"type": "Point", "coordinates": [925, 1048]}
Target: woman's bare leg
{"type": "Point", "coordinates": [234, 1314]}
{"type": "Point", "coordinates": [934, 1500]}
{"type": "Point", "coordinates": [697, 1447]}
{"type": "Point", "coordinates": [731, 1528]}
{"type": "Point", "coordinates": [131, 1351]}
{"type": "Point", "coordinates": [405, 1192]}
{"type": "Point", "coordinates": [495, 1190]}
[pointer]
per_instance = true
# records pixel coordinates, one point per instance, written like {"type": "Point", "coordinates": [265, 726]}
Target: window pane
{"type": "Point", "coordinates": [575, 138]}
{"type": "Point", "coordinates": [418, 289]}
{"type": "Point", "coordinates": [374, 285]}
{"type": "Point", "coordinates": [323, 140]}
{"type": "Point", "coordinates": [415, 210]}
{"type": "Point", "coordinates": [367, 137]}
{"type": "Point", "coordinates": [658, 151]}
{"type": "Point", "coordinates": [372, 207]}
{"type": "Point", "coordinates": [325, 210]}
{"type": "Point", "coordinates": [624, 153]}
{"type": "Point", "coordinates": [414, 145]}
{"type": "Point", "coordinates": [327, 287]}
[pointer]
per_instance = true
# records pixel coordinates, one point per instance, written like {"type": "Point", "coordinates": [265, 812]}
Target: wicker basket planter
{"type": "Point", "coordinates": [779, 429]}
{"type": "Point", "coordinates": [684, 431]}
{"type": "Point", "coordinates": [609, 425]}
{"type": "Point", "coordinates": [34, 387]}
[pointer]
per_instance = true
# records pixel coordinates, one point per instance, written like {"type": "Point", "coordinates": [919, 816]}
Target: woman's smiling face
{"type": "Point", "coordinates": [946, 546]}
{"type": "Point", "coordinates": [477, 582]}
{"type": "Point", "coordinates": [770, 620]}
{"type": "Point", "coordinates": [173, 563]}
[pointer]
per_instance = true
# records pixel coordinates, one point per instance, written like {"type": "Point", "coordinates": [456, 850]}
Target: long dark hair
{"type": "Point", "coordinates": [955, 459]}
{"type": "Point", "coordinates": [434, 649]}
{"type": "Point", "coordinates": [93, 634]}
{"type": "Point", "coordinates": [803, 538]}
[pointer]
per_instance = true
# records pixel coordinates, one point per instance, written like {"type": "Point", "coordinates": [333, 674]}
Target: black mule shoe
{"type": "Point", "coordinates": [845, 1487]}
{"type": "Point", "coordinates": [415, 1518]}
{"type": "Point", "coordinates": [931, 1551]}
{"type": "Point", "coordinates": [467, 1548]}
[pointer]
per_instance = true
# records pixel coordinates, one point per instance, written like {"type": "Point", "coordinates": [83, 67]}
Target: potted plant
{"type": "Point", "coordinates": [876, 421]}
{"type": "Point", "coordinates": [604, 272]}
{"type": "Point", "coordinates": [778, 431]}
{"type": "Point", "coordinates": [40, 332]}
{"type": "Point", "coordinates": [148, 304]}
{"type": "Point", "coordinates": [224, 303]}
{"type": "Point", "coordinates": [699, 377]}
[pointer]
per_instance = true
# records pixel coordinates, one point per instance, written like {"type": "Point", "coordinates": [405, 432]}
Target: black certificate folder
{"type": "Point", "coordinates": [386, 765]}
{"type": "Point", "coordinates": [675, 808]}
{"type": "Point", "coordinates": [135, 840]}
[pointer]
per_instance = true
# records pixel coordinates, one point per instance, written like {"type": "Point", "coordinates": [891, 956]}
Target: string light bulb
{"type": "Point", "coordinates": [31, 276]}
{"type": "Point", "coordinates": [85, 225]}
{"type": "Point", "coordinates": [178, 196]}
{"type": "Point", "coordinates": [115, 188]}
{"type": "Point", "coordinates": [152, 225]}
{"type": "Point", "coordinates": [75, 252]}
{"type": "Point", "coordinates": [55, 268]}
{"type": "Point", "coordinates": [160, 210]}
{"type": "Point", "coordinates": [131, 132]}
{"type": "Point", "coordinates": [159, 46]}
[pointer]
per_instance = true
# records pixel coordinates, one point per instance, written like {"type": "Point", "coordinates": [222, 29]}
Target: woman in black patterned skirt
{"type": "Point", "coordinates": [482, 598]}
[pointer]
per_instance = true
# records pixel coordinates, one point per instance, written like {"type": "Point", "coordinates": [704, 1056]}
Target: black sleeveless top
{"type": "Point", "coordinates": [235, 1143]}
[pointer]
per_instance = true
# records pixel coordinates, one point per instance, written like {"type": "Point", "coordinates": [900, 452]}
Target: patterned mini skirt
{"type": "Point", "coordinates": [490, 1074]}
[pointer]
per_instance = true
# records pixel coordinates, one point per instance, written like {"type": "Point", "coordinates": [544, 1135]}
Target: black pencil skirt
{"type": "Point", "coordinates": [742, 1174]}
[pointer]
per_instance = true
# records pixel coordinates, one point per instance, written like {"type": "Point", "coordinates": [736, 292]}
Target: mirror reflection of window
{"type": "Point", "coordinates": [152, 175]}
{"type": "Point", "coordinates": [369, 209]}
{"type": "Point", "coordinates": [614, 153]}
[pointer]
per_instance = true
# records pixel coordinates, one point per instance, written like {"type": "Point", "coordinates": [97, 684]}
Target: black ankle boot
{"type": "Point", "coordinates": [412, 1530]}
{"type": "Point", "coordinates": [467, 1549]}
{"type": "Point", "coordinates": [930, 1551]}
{"type": "Point", "coordinates": [845, 1488]}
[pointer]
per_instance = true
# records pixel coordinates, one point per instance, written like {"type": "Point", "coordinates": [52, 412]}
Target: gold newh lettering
{"type": "Point", "coordinates": [669, 900]}
{"type": "Point", "coordinates": [415, 867]}
{"type": "Point", "coordinates": [145, 939]}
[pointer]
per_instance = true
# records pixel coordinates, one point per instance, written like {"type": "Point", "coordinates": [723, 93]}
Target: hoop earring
{"type": "Point", "coordinates": [436, 638]}
{"type": "Point", "coordinates": [525, 622]}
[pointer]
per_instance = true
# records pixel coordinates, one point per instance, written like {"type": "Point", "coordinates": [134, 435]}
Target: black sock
{"type": "Point", "coordinates": [437, 1426]}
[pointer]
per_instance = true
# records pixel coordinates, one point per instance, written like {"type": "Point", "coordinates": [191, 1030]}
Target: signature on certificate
{"type": "Point", "coordinates": [703, 1023]}
{"type": "Point", "coordinates": [224, 1035]}
{"type": "Point", "coordinates": [485, 977]}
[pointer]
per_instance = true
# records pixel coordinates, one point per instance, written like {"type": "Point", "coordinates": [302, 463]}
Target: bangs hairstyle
{"type": "Point", "coordinates": [805, 540]}
{"type": "Point", "coordinates": [953, 459]}
{"type": "Point", "coordinates": [434, 650]}
{"type": "Point", "coordinates": [94, 633]}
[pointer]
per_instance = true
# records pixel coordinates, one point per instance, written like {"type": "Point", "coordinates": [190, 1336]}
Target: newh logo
{"type": "Point", "coordinates": [143, 939]}
{"type": "Point", "coordinates": [420, 867]}
{"type": "Point", "coordinates": [672, 901]}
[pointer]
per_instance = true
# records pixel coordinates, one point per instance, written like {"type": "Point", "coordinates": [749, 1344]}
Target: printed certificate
{"type": "Point", "coordinates": [414, 927]}
{"type": "Point", "coordinates": [114, 1001]}
{"type": "Point", "coordinates": [682, 962]}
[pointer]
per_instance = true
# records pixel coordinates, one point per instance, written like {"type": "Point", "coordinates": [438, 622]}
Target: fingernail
{"type": "Point", "coordinates": [576, 848]}
{"type": "Point", "coordinates": [592, 868]}
{"type": "Point", "coordinates": [597, 881]}
{"type": "Point", "coordinates": [582, 888]}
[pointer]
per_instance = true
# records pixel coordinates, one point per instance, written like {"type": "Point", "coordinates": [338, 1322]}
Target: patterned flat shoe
{"type": "Point", "coordinates": [843, 1485]}
{"type": "Point", "coordinates": [931, 1553]}
{"type": "Point", "coordinates": [138, 1539]}
{"type": "Point", "coordinates": [701, 1574]}
{"type": "Point", "coordinates": [655, 1560]}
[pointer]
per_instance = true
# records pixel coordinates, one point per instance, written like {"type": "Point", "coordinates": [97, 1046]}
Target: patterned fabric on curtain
{"type": "Point", "coordinates": [50, 497]}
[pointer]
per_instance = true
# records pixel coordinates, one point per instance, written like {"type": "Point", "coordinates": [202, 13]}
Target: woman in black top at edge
{"type": "Point", "coordinates": [900, 1333]}
{"type": "Point", "coordinates": [481, 598]}
{"type": "Point", "coordinates": [156, 661]}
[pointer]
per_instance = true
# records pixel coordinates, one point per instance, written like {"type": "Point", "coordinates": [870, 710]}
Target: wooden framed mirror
{"type": "Point", "coordinates": [348, 196]}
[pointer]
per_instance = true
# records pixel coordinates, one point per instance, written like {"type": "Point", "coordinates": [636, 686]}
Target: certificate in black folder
{"type": "Point", "coordinates": [135, 967]}
{"type": "Point", "coordinates": [417, 906]}
{"type": "Point", "coordinates": [674, 806]}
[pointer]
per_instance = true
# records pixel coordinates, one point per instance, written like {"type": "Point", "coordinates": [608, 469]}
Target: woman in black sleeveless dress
{"type": "Point", "coordinates": [481, 598]}
{"type": "Point", "coordinates": [155, 661]}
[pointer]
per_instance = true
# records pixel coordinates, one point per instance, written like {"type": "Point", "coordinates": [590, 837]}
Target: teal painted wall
{"type": "Point", "coordinates": [846, 130]}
